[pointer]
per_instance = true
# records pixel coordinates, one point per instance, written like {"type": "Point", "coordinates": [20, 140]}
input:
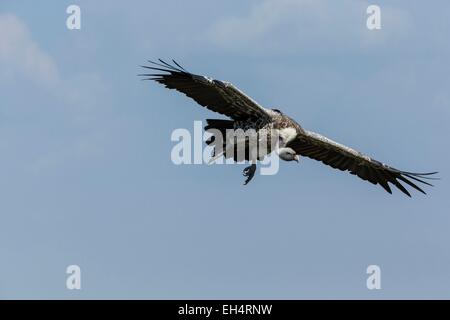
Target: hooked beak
{"type": "Point", "coordinates": [296, 158]}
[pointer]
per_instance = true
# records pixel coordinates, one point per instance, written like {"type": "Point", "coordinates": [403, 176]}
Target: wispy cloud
{"type": "Point", "coordinates": [22, 57]}
{"type": "Point", "coordinates": [73, 100]}
{"type": "Point", "coordinates": [20, 54]}
{"type": "Point", "coordinates": [308, 25]}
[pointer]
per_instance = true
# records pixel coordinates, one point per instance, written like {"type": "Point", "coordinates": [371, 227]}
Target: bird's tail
{"type": "Point", "coordinates": [218, 124]}
{"type": "Point", "coordinates": [237, 149]}
{"type": "Point", "coordinates": [214, 125]}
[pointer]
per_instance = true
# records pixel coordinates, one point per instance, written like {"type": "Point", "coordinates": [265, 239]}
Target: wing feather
{"type": "Point", "coordinates": [218, 96]}
{"type": "Point", "coordinates": [338, 156]}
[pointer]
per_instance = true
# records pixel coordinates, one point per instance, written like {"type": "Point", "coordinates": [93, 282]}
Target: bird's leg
{"type": "Point", "coordinates": [249, 172]}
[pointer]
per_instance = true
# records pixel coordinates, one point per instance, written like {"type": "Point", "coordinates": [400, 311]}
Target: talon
{"type": "Point", "coordinates": [249, 172]}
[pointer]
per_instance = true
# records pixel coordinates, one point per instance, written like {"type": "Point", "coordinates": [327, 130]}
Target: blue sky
{"type": "Point", "coordinates": [86, 176]}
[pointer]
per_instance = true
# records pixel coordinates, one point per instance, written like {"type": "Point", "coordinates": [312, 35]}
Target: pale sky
{"type": "Point", "coordinates": [86, 176]}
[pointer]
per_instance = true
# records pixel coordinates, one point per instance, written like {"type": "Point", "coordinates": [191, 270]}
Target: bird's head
{"type": "Point", "coordinates": [277, 111]}
{"type": "Point", "coordinates": [288, 154]}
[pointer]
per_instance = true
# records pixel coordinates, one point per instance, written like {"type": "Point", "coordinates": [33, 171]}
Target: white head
{"type": "Point", "coordinates": [288, 154]}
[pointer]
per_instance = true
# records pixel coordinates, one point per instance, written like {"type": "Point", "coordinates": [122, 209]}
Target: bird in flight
{"type": "Point", "coordinates": [293, 141]}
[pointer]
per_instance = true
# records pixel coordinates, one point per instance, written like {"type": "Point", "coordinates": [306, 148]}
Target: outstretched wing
{"type": "Point", "coordinates": [216, 95]}
{"type": "Point", "coordinates": [338, 156]}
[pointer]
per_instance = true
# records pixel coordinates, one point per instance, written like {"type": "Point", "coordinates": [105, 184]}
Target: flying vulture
{"type": "Point", "coordinates": [294, 141]}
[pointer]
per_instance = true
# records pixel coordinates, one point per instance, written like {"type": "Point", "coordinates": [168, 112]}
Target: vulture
{"type": "Point", "coordinates": [280, 132]}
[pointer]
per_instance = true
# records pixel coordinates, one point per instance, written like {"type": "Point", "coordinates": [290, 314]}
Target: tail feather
{"type": "Point", "coordinates": [218, 124]}
{"type": "Point", "coordinates": [228, 151]}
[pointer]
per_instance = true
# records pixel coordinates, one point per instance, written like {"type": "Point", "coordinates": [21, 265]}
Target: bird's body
{"type": "Point", "coordinates": [277, 131]}
{"type": "Point", "coordinates": [270, 135]}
